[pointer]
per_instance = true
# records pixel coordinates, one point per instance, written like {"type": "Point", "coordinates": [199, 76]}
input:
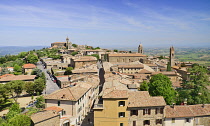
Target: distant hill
{"type": "Point", "coordinates": [13, 50]}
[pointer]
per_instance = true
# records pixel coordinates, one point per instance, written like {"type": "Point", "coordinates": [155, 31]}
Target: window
{"type": "Point", "coordinates": [146, 122]}
{"type": "Point", "coordinates": [158, 121]}
{"type": "Point", "coordinates": [159, 110]}
{"type": "Point", "coordinates": [59, 103]}
{"type": "Point", "coordinates": [187, 120]}
{"type": "Point", "coordinates": [63, 112]}
{"type": "Point", "coordinates": [121, 103]}
{"type": "Point", "coordinates": [146, 111]}
{"type": "Point", "coordinates": [121, 114]}
{"type": "Point", "coordinates": [121, 124]}
{"type": "Point", "coordinates": [173, 120]}
{"type": "Point", "coordinates": [134, 112]}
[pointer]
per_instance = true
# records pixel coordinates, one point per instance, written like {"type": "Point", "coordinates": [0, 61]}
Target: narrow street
{"type": "Point", "coordinates": [50, 85]}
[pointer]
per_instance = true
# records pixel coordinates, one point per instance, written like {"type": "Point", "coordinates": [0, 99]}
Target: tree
{"type": "Point", "coordinates": [40, 102]}
{"type": "Point", "coordinates": [97, 48]}
{"type": "Point", "coordinates": [13, 110]}
{"type": "Point", "coordinates": [95, 55]}
{"type": "Point", "coordinates": [115, 50]}
{"type": "Point", "coordinates": [68, 71]}
{"type": "Point", "coordinates": [22, 54]}
{"type": "Point", "coordinates": [15, 86]}
{"type": "Point", "coordinates": [160, 85]}
{"type": "Point", "coordinates": [74, 53]}
{"type": "Point", "coordinates": [195, 90]}
{"type": "Point", "coordinates": [31, 58]}
{"type": "Point", "coordinates": [4, 95]}
{"type": "Point", "coordinates": [29, 87]}
{"type": "Point", "coordinates": [39, 85]}
{"type": "Point", "coordinates": [20, 120]}
{"type": "Point", "coordinates": [74, 45]}
{"type": "Point", "coordinates": [144, 86]}
{"type": "Point", "coordinates": [17, 69]}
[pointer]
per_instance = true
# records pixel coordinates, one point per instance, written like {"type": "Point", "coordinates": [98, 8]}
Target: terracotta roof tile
{"type": "Point", "coordinates": [143, 99]}
{"type": "Point", "coordinates": [43, 115]}
{"type": "Point", "coordinates": [178, 111]}
{"type": "Point", "coordinates": [116, 94]}
{"type": "Point", "coordinates": [57, 109]}
{"type": "Point", "coordinates": [69, 93]}
{"type": "Point", "coordinates": [18, 77]}
{"type": "Point", "coordinates": [29, 66]}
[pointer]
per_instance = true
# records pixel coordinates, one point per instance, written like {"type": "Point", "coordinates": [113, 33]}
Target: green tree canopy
{"type": "Point", "coordinates": [15, 86]}
{"type": "Point", "coordinates": [20, 120]}
{"type": "Point", "coordinates": [31, 58]}
{"type": "Point", "coordinates": [115, 50]}
{"type": "Point", "coordinates": [40, 102]}
{"type": "Point", "coordinates": [68, 71]}
{"type": "Point", "coordinates": [39, 85]}
{"type": "Point", "coordinates": [29, 87]}
{"type": "Point", "coordinates": [160, 85]}
{"type": "Point", "coordinates": [144, 86]}
{"type": "Point", "coordinates": [74, 45]}
{"type": "Point", "coordinates": [74, 53]}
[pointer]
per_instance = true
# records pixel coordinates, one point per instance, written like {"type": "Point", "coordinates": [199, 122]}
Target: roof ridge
{"type": "Point", "coordinates": [71, 93]}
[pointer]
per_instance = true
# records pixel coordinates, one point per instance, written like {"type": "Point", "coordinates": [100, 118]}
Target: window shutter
{"type": "Point", "coordinates": [149, 111]}
{"type": "Point", "coordinates": [143, 111]}
{"type": "Point", "coordinates": [148, 122]}
{"type": "Point", "coordinates": [136, 112]}
{"type": "Point", "coordinates": [156, 110]}
{"type": "Point", "coordinates": [123, 114]}
{"type": "Point", "coordinates": [131, 113]}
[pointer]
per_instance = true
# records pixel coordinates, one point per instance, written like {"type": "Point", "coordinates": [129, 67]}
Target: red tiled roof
{"type": "Point", "coordinates": [18, 77]}
{"type": "Point", "coordinates": [70, 93]}
{"type": "Point", "coordinates": [131, 66]}
{"type": "Point", "coordinates": [143, 99]}
{"type": "Point", "coordinates": [29, 66]}
{"type": "Point", "coordinates": [57, 109]}
{"type": "Point", "coordinates": [178, 111]}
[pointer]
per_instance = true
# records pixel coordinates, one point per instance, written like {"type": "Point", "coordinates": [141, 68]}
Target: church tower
{"type": "Point", "coordinates": [67, 42]}
{"type": "Point", "coordinates": [140, 49]}
{"type": "Point", "coordinates": [172, 56]}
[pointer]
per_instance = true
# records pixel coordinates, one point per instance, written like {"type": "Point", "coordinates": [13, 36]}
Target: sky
{"type": "Point", "coordinates": [105, 23]}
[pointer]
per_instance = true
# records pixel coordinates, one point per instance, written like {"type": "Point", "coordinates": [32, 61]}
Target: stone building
{"type": "Point", "coordinates": [62, 45]}
{"type": "Point", "coordinates": [123, 57]}
{"type": "Point", "coordinates": [172, 56]}
{"type": "Point", "coordinates": [140, 49]}
{"type": "Point", "coordinates": [28, 68]}
{"type": "Point", "coordinates": [128, 108]}
{"type": "Point", "coordinates": [74, 101]}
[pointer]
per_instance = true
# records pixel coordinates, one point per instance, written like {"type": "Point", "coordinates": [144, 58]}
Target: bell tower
{"type": "Point", "coordinates": [140, 49]}
{"type": "Point", "coordinates": [172, 56]}
{"type": "Point", "coordinates": [67, 42]}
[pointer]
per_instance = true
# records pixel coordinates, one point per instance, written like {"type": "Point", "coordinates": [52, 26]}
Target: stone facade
{"type": "Point", "coordinates": [125, 57]}
{"type": "Point", "coordinates": [140, 49]}
{"type": "Point", "coordinates": [172, 56]}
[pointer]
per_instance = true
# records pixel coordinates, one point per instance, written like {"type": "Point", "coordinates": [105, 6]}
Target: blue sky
{"type": "Point", "coordinates": [123, 23]}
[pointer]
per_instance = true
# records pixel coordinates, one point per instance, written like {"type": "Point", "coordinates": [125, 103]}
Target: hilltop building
{"type": "Point", "coordinates": [62, 45]}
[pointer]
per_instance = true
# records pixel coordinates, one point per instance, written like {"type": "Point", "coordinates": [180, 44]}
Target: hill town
{"type": "Point", "coordinates": [80, 85]}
